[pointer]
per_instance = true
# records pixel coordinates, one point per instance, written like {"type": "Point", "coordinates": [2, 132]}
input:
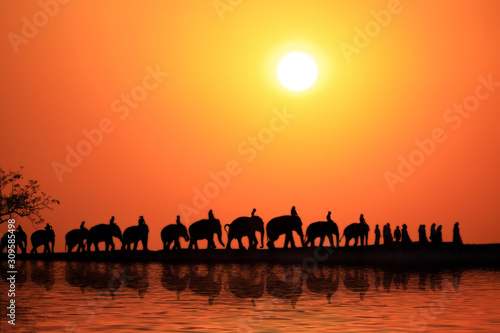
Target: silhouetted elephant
{"type": "Point", "coordinates": [284, 225]}
{"type": "Point", "coordinates": [76, 237]}
{"type": "Point", "coordinates": [43, 237]}
{"type": "Point", "coordinates": [245, 226]}
{"type": "Point", "coordinates": [103, 233]}
{"type": "Point", "coordinates": [205, 229]}
{"type": "Point", "coordinates": [174, 278]}
{"type": "Point", "coordinates": [135, 234]}
{"type": "Point", "coordinates": [356, 230]}
{"type": "Point", "coordinates": [321, 230]}
{"type": "Point", "coordinates": [172, 233]}
{"type": "Point", "coordinates": [76, 274]}
{"type": "Point", "coordinates": [205, 284]}
{"type": "Point", "coordinates": [288, 285]}
{"type": "Point", "coordinates": [323, 284]}
{"type": "Point", "coordinates": [358, 282]}
{"type": "Point", "coordinates": [43, 274]}
{"type": "Point", "coordinates": [245, 283]}
{"type": "Point", "coordinates": [20, 240]}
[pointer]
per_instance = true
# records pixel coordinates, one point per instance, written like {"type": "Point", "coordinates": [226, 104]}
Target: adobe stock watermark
{"type": "Point", "coordinates": [248, 149]}
{"type": "Point", "coordinates": [95, 136]}
{"type": "Point", "coordinates": [31, 25]}
{"type": "Point", "coordinates": [454, 117]}
{"type": "Point", "coordinates": [373, 28]}
{"type": "Point", "coordinates": [223, 6]}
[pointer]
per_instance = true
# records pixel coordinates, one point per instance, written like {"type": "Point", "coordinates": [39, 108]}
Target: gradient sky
{"type": "Point", "coordinates": [74, 72]}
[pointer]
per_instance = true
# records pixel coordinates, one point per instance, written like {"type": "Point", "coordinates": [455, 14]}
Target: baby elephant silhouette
{"type": "Point", "coordinates": [171, 234]}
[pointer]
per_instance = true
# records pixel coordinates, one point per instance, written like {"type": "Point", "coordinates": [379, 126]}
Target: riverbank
{"type": "Point", "coordinates": [414, 255]}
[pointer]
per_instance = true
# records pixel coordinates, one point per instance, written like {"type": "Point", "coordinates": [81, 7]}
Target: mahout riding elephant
{"type": "Point", "coordinates": [321, 230]}
{"type": "Point", "coordinates": [245, 282]}
{"type": "Point", "coordinates": [20, 241]}
{"type": "Point", "coordinates": [246, 226]}
{"type": "Point", "coordinates": [171, 234]}
{"type": "Point", "coordinates": [284, 225]}
{"type": "Point", "coordinates": [43, 237]}
{"type": "Point", "coordinates": [134, 234]}
{"type": "Point", "coordinates": [76, 237]}
{"type": "Point", "coordinates": [104, 233]}
{"type": "Point", "coordinates": [356, 231]}
{"type": "Point", "coordinates": [320, 283]}
{"type": "Point", "coordinates": [175, 278]}
{"type": "Point", "coordinates": [205, 281]}
{"type": "Point", "coordinates": [205, 229]}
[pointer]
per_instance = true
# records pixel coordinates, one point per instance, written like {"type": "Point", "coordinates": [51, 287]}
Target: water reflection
{"type": "Point", "coordinates": [43, 274]}
{"type": "Point", "coordinates": [175, 278]}
{"type": "Point", "coordinates": [285, 283]}
{"type": "Point", "coordinates": [324, 280]}
{"type": "Point", "coordinates": [246, 282]}
{"type": "Point", "coordinates": [206, 281]}
{"type": "Point", "coordinates": [356, 280]}
{"type": "Point", "coordinates": [139, 277]}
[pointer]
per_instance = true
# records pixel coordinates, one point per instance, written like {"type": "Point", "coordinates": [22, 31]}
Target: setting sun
{"type": "Point", "coordinates": [297, 71]}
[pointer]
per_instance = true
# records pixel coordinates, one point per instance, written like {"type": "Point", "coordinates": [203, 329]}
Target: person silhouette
{"type": "Point", "coordinates": [82, 225]}
{"type": "Point", "coordinates": [20, 229]}
{"type": "Point", "coordinates": [377, 235]}
{"type": "Point", "coordinates": [211, 215]}
{"type": "Point", "coordinates": [141, 220]}
{"type": "Point", "coordinates": [48, 227]}
{"type": "Point", "coordinates": [422, 234]}
{"type": "Point", "coordinates": [294, 212]}
{"type": "Point", "coordinates": [389, 234]}
{"type": "Point", "coordinates": [433, 233]}
{"type": "Point", "coordinates": [457, 240]}
{"type": "Point", "coordinates": [439, 235]}
{"type": "Point", "coordinates": [178, 220]}
{"type": "Point", "coordinates": [397, 234]}
{"type": "Point", "coordinates": [112, 220]}
{"type": "Point", "coordinates": [253, 212]}
{"type": "Point", "coordinates": [362, 219]}
{"type": "Point", "coordinates": [329, 217]}
{"type": "Point", "coordinates": [405, 236]}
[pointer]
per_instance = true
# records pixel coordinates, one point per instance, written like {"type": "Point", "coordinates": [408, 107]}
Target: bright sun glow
{"type": "Point", "coordinates": [297, 71]}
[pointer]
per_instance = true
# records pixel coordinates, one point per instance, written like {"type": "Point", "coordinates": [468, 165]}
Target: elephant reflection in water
{"type": "Point", "coordinates": [175, 278]}
{"type": "Point", "coordinates": [106, 277]}
{"type": "Point", "coordinates": [43, 274]}
{"type": "Point", "coordinates": [245, 283]}
{"type": "Point", "coordinates": [357, 282]}
{"type": "Point", "coordinates": [401, 278]}
{"type": "Point", "coordinates": [138, 277]}
{"type": "Point", "coordinates": [285, 283]}
{"type": "Point", "coordinates": [320, 283]}
{"type": "Point", "coordinates": [76, 274]}
{"type": "Point", "coordinates": [205, 281]}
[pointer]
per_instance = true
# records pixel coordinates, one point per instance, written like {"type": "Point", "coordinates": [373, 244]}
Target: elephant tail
{"type": "Point", "coordinates": [227, 225]}
{"type": "Point", "coordinates": [341, 237]}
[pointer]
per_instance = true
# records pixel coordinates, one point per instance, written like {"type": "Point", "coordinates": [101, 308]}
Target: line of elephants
{"type": "Point", "coordinates": [205, 229]}
{"type": "Point", "coordinates": [249, 282]}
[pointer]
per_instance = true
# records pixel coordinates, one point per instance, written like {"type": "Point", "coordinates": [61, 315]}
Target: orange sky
{"type": "Point", "coordinates": [73, 72]}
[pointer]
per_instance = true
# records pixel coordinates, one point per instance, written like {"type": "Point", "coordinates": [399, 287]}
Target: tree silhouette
{"type": "Point", "coordinates": [22, 199]}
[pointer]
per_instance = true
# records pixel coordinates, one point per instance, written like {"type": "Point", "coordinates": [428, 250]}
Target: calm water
{"type": "Point", "coordinates": [112, 297]}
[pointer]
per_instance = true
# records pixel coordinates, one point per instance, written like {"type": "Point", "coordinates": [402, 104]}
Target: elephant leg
{"type": "Point", "coordinates": [240, 244]}
{"type": "Point", "coordinates": [337, 235]}
{"type": "Point", "coordinates": [347, 239]}
{"type": "Point", "coordinates": [253, 242]}
{"type": "Point", "coordinates": [330, 238]}
{"type": "Point", "coordinates": [229, 240]}
{"type": "Point", "coordinates": [356, 241]}
{"type": "Point", "coordinates": [321, 241]}
{"type": "Point", "coordinates": [292, 242]}
{"type": "Point", "coordinates": [135, 245]}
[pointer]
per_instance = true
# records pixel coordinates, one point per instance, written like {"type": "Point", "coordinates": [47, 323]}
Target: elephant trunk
{"type": "Point", "coordinates": [219, 235]}
{"type": "Point", "coordinates": [53, 243]}
{"type": "Point", "coordinates": [262, 236]}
